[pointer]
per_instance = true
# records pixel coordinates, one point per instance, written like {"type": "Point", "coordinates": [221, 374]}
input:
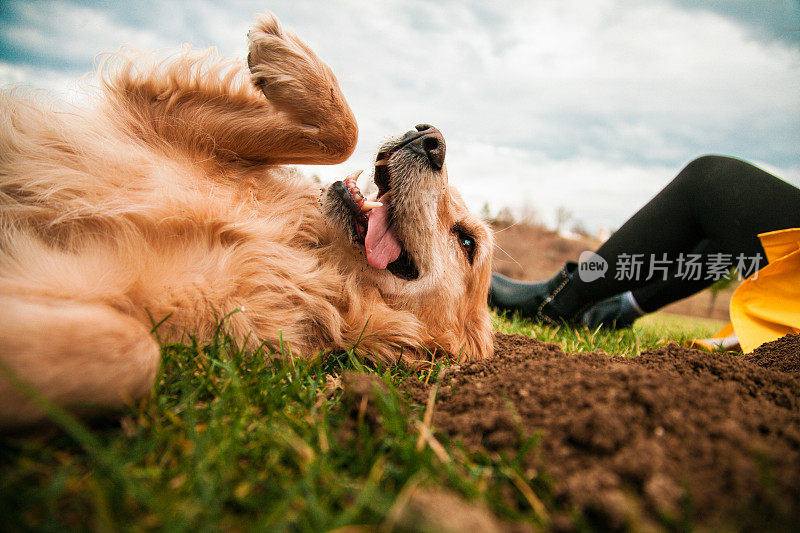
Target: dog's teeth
{"type": "Point", "coordinates": [354, 176]}
{"type": "Point", "coordinates": [381, 162]}
{"type": "Point", "coordinates": [369, 205]}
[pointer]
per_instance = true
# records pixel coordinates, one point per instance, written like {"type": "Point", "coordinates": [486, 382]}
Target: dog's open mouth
{"type": "Point", "coordinates": [373, 223]}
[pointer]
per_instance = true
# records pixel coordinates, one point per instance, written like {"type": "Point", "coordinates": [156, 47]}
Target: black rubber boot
{"type": "Point", "coordinates": [617, 312]}
{"type": "Point", "coordinates": [552, 302]}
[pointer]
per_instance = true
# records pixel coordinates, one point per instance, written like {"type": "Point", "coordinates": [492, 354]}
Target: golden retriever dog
{"type": "Point", "coordinates": [168, 201]}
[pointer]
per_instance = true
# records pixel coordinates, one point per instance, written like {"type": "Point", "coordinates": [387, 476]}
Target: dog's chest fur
{"type": "Point", "coordinates": [185, 240]}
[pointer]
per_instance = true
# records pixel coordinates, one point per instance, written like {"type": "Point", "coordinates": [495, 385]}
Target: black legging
{"type": "Point", "coordinates": [716, 205]}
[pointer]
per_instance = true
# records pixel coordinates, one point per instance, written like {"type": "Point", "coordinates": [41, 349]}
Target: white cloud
{"type": "Point", "coordinates": [61, 31]}
{"type": "Point", "coordinates": [58, 85]}
{"type": "Point", "coordinates": [589, 105]}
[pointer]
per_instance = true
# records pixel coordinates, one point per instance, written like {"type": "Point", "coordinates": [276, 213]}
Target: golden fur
{"type": "Point", "coordinates": [167, 199]}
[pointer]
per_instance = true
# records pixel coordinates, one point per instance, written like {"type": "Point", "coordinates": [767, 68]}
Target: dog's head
{"type": "Point", "coordinates": [417, 243]}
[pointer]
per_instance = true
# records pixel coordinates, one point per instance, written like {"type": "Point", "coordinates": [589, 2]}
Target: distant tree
{"type": "Point", "coordinates": [505, 216]}
{"type": "Point", "coordinates": [563, 215]}
{"type": "Point", "coordinates": [528, 214]}
{"type": "Point", "coordinates": [580, 228]}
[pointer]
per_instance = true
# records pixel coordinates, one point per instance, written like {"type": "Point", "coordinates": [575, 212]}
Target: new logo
{"type": "Point", "coordinates": [591, 266]}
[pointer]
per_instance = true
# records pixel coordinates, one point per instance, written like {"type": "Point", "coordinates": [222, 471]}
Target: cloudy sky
{"type": "Point", "coordinates": [589, 105]}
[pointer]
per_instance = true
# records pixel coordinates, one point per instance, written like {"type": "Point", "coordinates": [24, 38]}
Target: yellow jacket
{"type": "Point", "coordinates": [766, 306]}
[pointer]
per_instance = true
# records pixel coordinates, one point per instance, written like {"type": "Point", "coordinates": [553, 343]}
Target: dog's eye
{"type": "Point", "coordinates": [466, 241]}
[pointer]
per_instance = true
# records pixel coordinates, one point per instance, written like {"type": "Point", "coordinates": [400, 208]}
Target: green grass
{"type": "Point", "coordinates": [248, 441]}
{"type": "Point", "coordinates": [649, 331]}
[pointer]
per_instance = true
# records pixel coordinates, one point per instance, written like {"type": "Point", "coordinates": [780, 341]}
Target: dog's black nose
{"type": "Point", "coordinates": [430, 143]}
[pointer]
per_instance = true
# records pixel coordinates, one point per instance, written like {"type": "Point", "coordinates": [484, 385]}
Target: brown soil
{"type": "Point", "coordinates": [782, 354]}
{"type": "Point", "coordinates": [673, 437]}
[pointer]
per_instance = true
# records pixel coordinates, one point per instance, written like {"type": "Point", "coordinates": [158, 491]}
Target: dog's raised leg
{"type": "Point", "coordinates": [87, 358]}
{"type": "Point", "coordinates": [291, 111]}
{"type": "Point", "coordinates": [320, 127]}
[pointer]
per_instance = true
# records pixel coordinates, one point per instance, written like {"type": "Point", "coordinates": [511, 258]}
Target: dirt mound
{"type": "Point", "coordinates": [782, 354]}
{"type": "Point", "coordinates": [674, 437]}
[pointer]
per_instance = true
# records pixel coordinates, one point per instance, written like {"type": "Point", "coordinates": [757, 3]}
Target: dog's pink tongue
{"type": "Point", "coordinates": [381, 243]}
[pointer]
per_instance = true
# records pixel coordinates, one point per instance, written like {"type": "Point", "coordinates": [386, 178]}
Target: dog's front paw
{"type": "Point", "coordinates": [286, 70]}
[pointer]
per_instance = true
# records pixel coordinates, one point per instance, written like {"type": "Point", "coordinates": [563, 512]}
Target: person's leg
{"type": "Point", "coordinates": [621, 310]}
{"type": "Point", "coordinates": [716, 202]}
{"type": "Point", "coordinates": [681, 281]}
{"type": "Point", "coordinates": [722, 200]}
